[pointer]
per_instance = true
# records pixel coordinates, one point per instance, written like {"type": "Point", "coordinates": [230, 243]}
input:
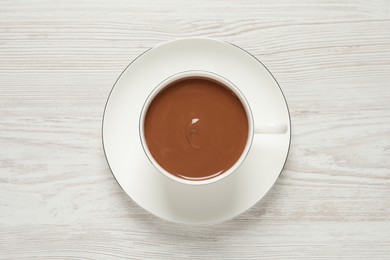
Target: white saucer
{"type": "Point", "coordinates": [194, 204]}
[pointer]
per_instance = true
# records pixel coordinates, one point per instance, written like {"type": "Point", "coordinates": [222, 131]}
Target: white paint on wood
{"type": "Point", "coordinates": [58, 61]}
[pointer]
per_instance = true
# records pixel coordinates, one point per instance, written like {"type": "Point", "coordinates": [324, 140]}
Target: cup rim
{"type": "Point", "coordinates": [201, 74]}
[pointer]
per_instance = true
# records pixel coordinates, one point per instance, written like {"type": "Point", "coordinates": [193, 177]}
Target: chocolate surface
{"type": "Point", "coordinates": [196, 128]}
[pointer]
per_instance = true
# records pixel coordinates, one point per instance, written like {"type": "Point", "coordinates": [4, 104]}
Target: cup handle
{"type": "Point", "coordinates": [271, 128]}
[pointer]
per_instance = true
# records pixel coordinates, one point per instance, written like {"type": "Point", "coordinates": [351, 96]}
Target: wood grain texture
{"type": "Point", "coordinates": [58, 62]}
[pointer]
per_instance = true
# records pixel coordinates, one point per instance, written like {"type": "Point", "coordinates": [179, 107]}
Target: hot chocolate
{"type": "Point", "coordinates": [196, 128]}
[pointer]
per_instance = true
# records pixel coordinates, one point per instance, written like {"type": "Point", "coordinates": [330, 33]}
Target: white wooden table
{"type": "Point", "coordinates": [58, 62]}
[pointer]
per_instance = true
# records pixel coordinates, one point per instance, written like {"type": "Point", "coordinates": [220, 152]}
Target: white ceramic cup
{"type": "Point", "coordinates": [264, 128]}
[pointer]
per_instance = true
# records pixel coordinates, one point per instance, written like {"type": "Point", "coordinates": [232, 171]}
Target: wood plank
{"type": "Point", "coordinates": [58, 62]}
